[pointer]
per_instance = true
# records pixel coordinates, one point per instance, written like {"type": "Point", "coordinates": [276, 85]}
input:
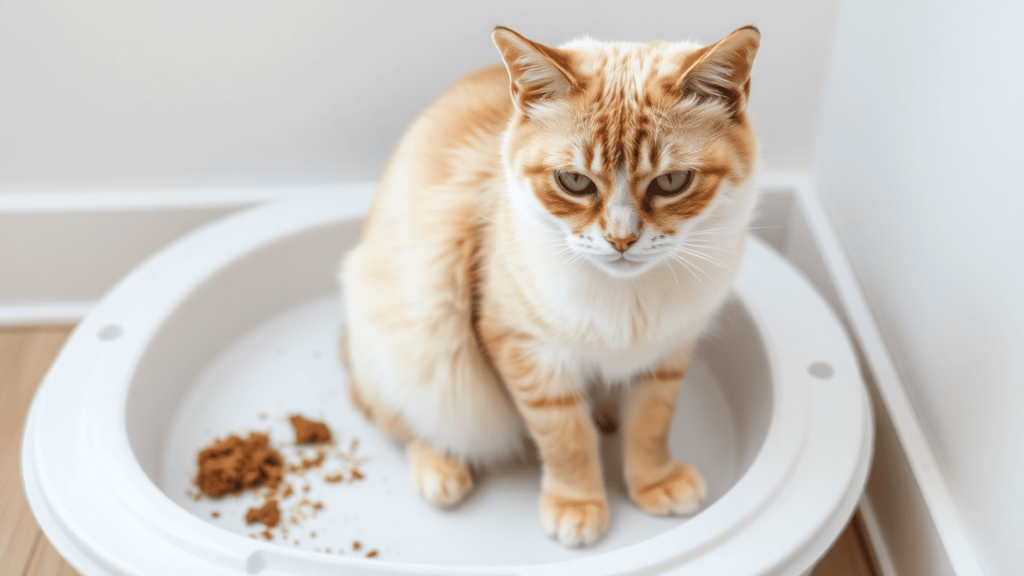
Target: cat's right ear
{"type": "Point", "coordinates": [536, 72]}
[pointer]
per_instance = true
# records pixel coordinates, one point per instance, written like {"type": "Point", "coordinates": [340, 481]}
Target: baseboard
{"type": "Point", "coordinates": [61, 251]}
{"type": "Point", "coordinates": [46, 314]}
{"type": "Point", "coordinates": [879, 547]}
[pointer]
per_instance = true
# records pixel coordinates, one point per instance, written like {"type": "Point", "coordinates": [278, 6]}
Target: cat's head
{"type": "Point", "coordinates": [626, 148]}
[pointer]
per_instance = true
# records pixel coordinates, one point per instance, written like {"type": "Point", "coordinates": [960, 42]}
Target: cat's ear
{"type": "Point", "coordinates": [537, 72]}
{"type": "Point", "coordinates": [721, 71]}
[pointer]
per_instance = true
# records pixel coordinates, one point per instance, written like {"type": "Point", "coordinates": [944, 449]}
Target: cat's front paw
{"type": "Point", "coordinates": [439, 478]}
{"type": "Point", "coordinates": [574, 522]}
{"type": "Point", "coordinates": [679, 491]}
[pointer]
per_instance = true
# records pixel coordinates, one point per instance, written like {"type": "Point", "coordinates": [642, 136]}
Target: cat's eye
{"type": "Point", "coordinates": [576, 184]}
{"type": "Point", "coordinates": [671, 184]}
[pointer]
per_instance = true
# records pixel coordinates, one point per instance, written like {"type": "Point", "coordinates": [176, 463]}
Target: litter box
{"type": "Point", "coordinates": [234, 328]}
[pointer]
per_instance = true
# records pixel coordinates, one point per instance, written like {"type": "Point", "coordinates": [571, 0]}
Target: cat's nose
{"type": "Point", "coordinates": [622, 244]}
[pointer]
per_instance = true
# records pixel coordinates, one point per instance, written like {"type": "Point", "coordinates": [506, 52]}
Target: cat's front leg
{"type": "Point", "coordinates": [573, 505]}
{"type": "Point", "coordinates": [657, 482]}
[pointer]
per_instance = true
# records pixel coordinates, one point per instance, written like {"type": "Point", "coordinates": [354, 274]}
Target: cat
{"type": "Point", "coordinates": [570, 220]}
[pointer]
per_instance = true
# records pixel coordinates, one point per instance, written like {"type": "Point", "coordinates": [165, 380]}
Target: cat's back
{"type": "Point", "coordinates": [429, 218]}
{"type": "Point", "coordinates": [452, 151]}
{"type": "Point", "coordinates": [469, 116]}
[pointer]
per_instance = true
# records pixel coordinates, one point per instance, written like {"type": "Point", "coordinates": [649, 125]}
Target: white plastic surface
{"type": "Point", "coordinates": [288, 365]}
{"type": "Point", "coordinates": [156, 371]}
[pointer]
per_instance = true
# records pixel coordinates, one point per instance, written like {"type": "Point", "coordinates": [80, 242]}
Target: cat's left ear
{"type": "Point", "coordinates": [722, 71]}
{"type": "Point", "coordinates": [537, 72]}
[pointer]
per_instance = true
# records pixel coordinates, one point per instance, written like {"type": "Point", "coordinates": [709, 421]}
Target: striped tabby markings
{"type": "Point", "coordinates": [663, 375]}
{"type": "Point", "coordinates": [573, 505]}
{"type": "Point", "coordinates": [552, 402]}
{"type": "Point", "coordinates": [657, 482]}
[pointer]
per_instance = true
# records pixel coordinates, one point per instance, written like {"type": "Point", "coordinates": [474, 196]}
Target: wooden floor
{"type": "Point", "coordinates": [26, 354]}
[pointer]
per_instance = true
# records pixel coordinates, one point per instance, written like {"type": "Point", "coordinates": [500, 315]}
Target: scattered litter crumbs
{"type": "Point", "coordinates": [308, 463]}
{"type": "Point", "coordinates": [303, 510]}
{"type": "Point", "coordinates": [269, 514]}
{"type": "Point", "coordinates": [310, 431]}
{"type": "Point", "coordinates": [235, 464]}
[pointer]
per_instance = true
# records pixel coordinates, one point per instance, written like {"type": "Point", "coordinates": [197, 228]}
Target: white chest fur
{"type": "Point", "coordinates": [611, 328]}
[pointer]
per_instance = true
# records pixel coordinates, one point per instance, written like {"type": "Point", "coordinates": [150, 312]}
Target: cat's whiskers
{"type": "Point", "coordinates": [729, 229]}
{"type": "Point", "coordinates": [687, 266]}
{"type": "Point", "coordinates": [521, 249]}
{"type": "Point", "coordinates": [703, 256]}
{"type": "Point", "coordinates": [708, 246]}
{"type": "Point", "coordinates": [571, 257]}
{"type": "Point", "coordinates": [482, 217]}
{"type": "Point", "coordinates": [679, 287]}
{"type": "Point", "coordinates": [576, 258]}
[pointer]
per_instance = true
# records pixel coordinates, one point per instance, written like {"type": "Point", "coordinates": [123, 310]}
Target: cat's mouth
{"type": "Point", "coordinates": [621, 266]}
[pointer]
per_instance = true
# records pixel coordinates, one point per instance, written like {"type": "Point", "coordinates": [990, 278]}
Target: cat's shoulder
{"type": "Point", "coordinates": [458, 135]}
{"type": "Point", "coordinates": [478, 100]}
{"type": "Point", "coordinates": [493, 77]}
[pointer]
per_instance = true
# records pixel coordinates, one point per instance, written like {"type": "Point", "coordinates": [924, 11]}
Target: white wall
{"type": "Point", "coordinates": [97, 95]}
{"type": "Point", "coordinates": [920, 156]}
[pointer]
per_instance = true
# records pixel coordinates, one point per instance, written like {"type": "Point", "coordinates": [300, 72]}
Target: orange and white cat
{"type": "Point", "coordinates": [569, 221]}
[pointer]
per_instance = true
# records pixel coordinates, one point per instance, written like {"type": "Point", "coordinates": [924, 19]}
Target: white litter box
{"type": "Point", "coordinates": [234, 328]}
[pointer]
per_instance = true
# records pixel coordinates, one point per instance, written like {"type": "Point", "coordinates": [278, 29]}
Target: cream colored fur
{"type": "Point", "coordinates": [480, 308]}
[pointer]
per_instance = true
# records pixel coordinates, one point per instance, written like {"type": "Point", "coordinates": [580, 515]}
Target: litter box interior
{"type": "Point", "coordinates": [257, 342]}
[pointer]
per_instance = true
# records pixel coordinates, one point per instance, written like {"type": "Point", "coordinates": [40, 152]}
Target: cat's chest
{"type": "Point", "coordinates": [613, 365]}
{"type": "Point", "coordinates": [617, 342]}
{"type": "Point", "coordinates": [600, 327]}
